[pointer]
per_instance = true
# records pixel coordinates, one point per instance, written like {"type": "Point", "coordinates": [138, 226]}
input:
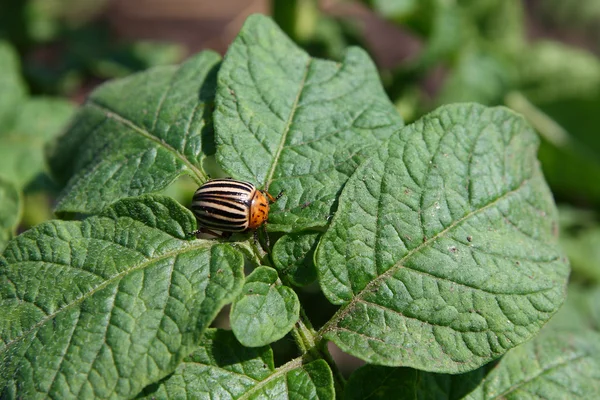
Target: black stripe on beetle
{"type": "Point", "coordinates": [205, 210]}
{"type": "Point", "coordinates": [228, 205]}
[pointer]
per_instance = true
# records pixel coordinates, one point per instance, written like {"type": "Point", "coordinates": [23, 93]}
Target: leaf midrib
{"type": "Point", "coordinates": [284, 369]}
{"type": "Point", "coordinates": [345, 309]}
{"type": "Point", "coordinates": [101, 286]}
{"type": "Point", "coordinates": [288, 126]}
{"type": "Point", "coordinates": [201, 176]}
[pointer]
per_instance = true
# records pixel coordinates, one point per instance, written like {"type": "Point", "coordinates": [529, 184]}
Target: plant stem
{"type": "Point", "coordinates": [305, 336]}
{"type": "Point", "coordinates": [309, 342]}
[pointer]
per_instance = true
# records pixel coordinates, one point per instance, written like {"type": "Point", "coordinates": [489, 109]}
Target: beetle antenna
{"type": "Point", "coordinates": [279, 196]}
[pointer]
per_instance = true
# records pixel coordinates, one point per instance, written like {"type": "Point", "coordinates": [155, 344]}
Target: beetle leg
{"type": "Point", "coordinates": [264, 228]}
{"type": "Point", "coordinates": [271, 198]}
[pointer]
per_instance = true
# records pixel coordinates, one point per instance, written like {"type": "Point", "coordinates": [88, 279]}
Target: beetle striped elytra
{"type": "Point", "coordinates": [228, 205]}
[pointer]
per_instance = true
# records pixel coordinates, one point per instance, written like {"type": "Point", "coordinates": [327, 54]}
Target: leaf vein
{"type": "Point", "coordinates": [144, 133]}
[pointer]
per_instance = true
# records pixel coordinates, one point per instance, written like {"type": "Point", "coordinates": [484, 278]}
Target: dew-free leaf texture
{"type": "Point", "coordinates": [265, 311]}
{"type": "Point", "coordinates": [103, 307]}
{"type": "Point", "coordinates": [293, 257]}
{"type": "Point", "coordinates": [555, 365]}
{"type": "Point", "coordinates": [10, 211]}
{"type": "Point", "coordinates": [222, 368]}
{"type": "Point", "coordinates": [443, 253]}
{"type": "Point", "coordinates": [284, 120]}
{"type": "Point", "coordinates": [136, 135]}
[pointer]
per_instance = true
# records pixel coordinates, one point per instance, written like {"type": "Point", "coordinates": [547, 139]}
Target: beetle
{"type": "Point", "coordinates": [228, 205]}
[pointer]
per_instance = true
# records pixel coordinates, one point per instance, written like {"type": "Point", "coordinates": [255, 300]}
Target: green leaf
{"type": "Point", "coordinates": [22, 152]}
{"type": "Point", "coordinates": [265, 311]}
{"type": "Point", "coordinates": [570, 151]}
{"type": "Point", "coordinates": [500, 23]}
{"type": "Point", "coordinates": [572, 163]}
{"type": "Point", "coordinates": [556, 365]}
{"type": "Point", "coordinates": [443, 252]}
{"type": "Point", "coordinates": [377, 382]}
{"type": "Point", "coordinates": [25, 124]}
{"type": "Point", "coordinates": [223, 368]}
{"type": "Point", "coordinates": [583, 251]}
{"type": "Point", "coordinates": [287, 121]}
{"type": "Point", "coordinates": [581, 309]}
{"type": "Point", "coordinates": [10, 212]}
{"type": "Point", "coordinates": [110, 304]}
{"type": "Point", "coordinates": [478, 76]}
{"type": "Point", "coordinates": [12, 86]}
{"type": "Point", "coordinates": [293, 257]}
{"type": "Point", "coordinates": [117, 61]}
{"type": "Point", "coordinates": [551, 71]}
{"type": "Point", "coordinates": [396, 10]}
{"type": "Point", "coordinates": [137, 135]}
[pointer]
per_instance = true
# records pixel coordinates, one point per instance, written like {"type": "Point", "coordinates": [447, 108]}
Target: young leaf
{"type": "Point", "coordinates": [223, 368]}
{"type": "Point", "coordinates": [293, 257]}
{"type": "Point", "coordinates": [266, 310]}
{"type": "Point", "coordinates": [555, 365]}
{"type": "Point", "coordinates": [443, 252]}
{"type": "Point", "coordinates": [287, 121]}
{"type": "Point", "coordinates": [10, 212]}
{"type": "Point", "coordinates": [137, 135]}
{"type": "Point", "coordinates": [110, 304]}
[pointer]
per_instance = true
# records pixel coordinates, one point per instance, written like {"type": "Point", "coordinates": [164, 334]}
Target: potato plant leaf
{"type": "Point", "coordinates": [110, 304]}
{"type": "Point", "coordinates": [222, 368]}
{"type": "Point", "coordinates": [555, 365]}
{"type": "Point", "coordinates": [136, 135]}
{"type": "Point", "coordinates": [265, 311]}
{"type": "Point", "coordinates": [293, 257]}
{"type": "Point", "coordinates": [10, 212]}
{"type": "Point", "coordinates": [284, 120]}
{"type": "Point", "coordinates": [443, 253]}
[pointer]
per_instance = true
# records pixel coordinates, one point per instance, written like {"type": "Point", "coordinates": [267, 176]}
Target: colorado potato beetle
{"type": "Point", "coordinates": [228, 205]}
